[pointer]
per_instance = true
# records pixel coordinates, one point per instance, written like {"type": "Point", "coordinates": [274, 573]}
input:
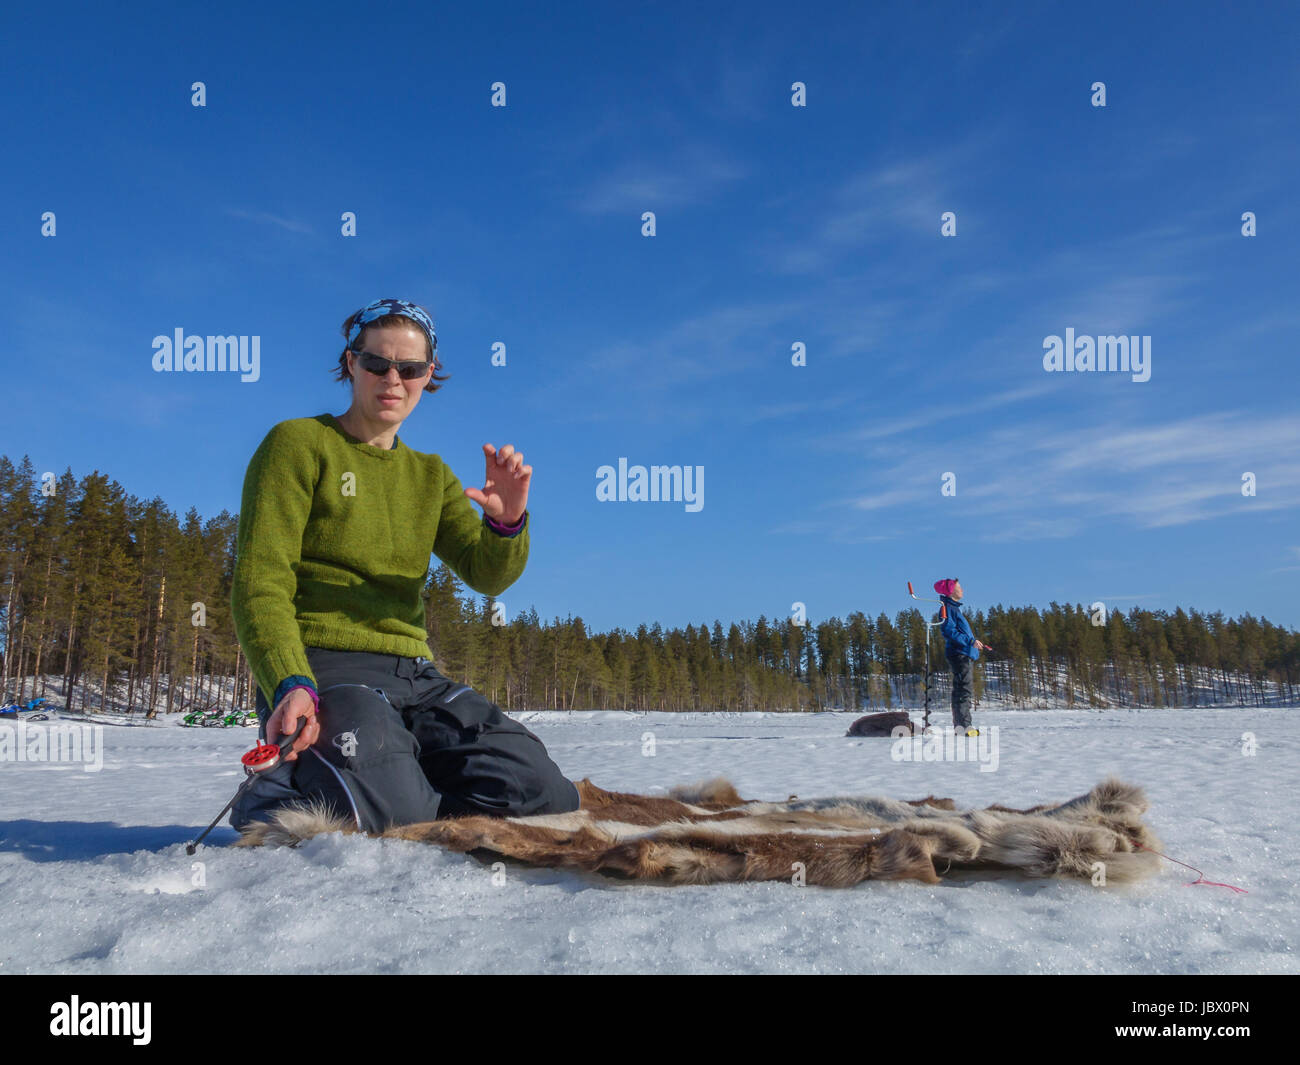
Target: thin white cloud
{"type": "Point", "coordinates": [1037, 481]}
{"type": "Point", "coordinates": [266, 218]}
{"type": "Point", "coordinates": [880, 500]}
{"type": "Point", "coordinates": [691, 175]}
{"type": "Point", "coordinates": [703, 345]}
{"type": "Point", "coordinates": [1035, 529]}
{"type": "Point", "coordinates": [740, 81]}
{"type": "Point", "coordinates": [937, 413]}
{"type": "Point", "coordinates": [711, 344]}
{"type": "Point", "coordinates": [1211, 436]}
{"type": "Point", "coordinates": [909, 193]}
{"type": "Point", "coordinates": [773, 411]}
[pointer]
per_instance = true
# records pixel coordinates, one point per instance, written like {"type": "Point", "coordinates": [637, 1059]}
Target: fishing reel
{"type": "Point", "coordinates": [261, 759]}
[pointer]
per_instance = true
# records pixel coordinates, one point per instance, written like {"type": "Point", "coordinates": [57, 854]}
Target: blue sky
{"type": "Point", "coordinates": [775, 225]}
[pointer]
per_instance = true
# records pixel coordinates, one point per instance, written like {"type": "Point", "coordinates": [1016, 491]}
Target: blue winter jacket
{"type": "Point", "coordinates": [957, 636]}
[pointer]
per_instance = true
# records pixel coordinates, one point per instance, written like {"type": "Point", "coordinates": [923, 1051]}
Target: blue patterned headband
{"type": "Point", "coordinates": [379, 308]}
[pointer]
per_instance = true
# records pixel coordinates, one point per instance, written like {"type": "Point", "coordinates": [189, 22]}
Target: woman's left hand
{"type": "Point", "coordinates": [504, 495]}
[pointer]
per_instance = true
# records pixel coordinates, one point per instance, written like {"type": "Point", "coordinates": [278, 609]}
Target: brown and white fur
{"type": "Point", "coordinates": [709, 834]}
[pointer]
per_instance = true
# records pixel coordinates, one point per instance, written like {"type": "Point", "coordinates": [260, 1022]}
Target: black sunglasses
{"type": "Point", "coordinates": [379, 366]}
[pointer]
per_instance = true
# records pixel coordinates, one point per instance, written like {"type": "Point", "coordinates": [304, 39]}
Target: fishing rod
{"type": "Point", "coordinates": [943, 616]}
{"type": "Point", "coordinates": [261, 759]}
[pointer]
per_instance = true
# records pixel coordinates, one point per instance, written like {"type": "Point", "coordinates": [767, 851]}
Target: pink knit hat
{"type": "Point", "coordinates": [945, 587]}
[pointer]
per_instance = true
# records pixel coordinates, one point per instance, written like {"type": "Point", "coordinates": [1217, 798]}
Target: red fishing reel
{"type": "Point", "coordinates": [261, 758]}
{"type": "Point", "coordinates": [266, 756]}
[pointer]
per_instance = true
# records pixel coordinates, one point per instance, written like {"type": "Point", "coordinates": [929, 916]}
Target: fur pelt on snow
{"type": "Point", "coordinates": [882, 724]}
{"type": "Point", "coordinates": [708, 834]}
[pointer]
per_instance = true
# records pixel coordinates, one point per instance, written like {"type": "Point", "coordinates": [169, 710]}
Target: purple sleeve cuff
{"type": "Point", "coordinates": [310, 691]}
{"type": "Point", "coordinates": [289, 684]}
{"type": "Point", "coordinates": [506, 530]}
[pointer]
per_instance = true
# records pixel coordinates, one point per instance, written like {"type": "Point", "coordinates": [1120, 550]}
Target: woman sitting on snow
{"type": "Point", "coordinates": [336, 526]}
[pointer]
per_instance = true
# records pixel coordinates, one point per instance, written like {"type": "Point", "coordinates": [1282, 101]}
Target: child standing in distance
{"type": "Point", "coordinates": [962, 650]}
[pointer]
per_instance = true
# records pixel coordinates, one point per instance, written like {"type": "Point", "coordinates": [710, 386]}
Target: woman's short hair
{"type": "Point", "coordinates": [399, 320]}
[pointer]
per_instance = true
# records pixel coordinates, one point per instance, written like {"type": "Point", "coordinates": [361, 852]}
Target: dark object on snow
{"type": "Point", "coordinates": [881, 724]}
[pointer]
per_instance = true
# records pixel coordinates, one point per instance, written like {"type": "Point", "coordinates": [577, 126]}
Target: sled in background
{"type": "Point", "coordinates": [213, 716]}
{"type": "Point", "coordinates": [29, 711]}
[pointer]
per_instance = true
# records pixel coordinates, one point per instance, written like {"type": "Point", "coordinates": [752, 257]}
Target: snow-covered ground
{"type": "Point", "coordinates": [95, 877]}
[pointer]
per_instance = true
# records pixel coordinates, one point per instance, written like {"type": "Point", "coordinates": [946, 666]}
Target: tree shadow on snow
{"type": "Point", "coordinates": [79, 841]}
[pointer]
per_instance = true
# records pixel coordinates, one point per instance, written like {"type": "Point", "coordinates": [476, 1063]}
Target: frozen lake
{"type": "Point", "coordinates": [94, 869]}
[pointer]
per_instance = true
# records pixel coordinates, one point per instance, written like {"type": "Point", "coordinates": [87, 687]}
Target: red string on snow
{"type": "Point", "coordinates": [1200, 881]}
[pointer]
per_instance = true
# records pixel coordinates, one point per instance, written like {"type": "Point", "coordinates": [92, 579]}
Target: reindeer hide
{"type": "Point", "coordinates": [709, 834]}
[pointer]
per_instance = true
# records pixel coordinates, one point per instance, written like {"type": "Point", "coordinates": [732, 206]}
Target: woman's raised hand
{"type": "Point", "coordinates": [504, 495]}
{"type": "Point", "coordinates": [285, 719]}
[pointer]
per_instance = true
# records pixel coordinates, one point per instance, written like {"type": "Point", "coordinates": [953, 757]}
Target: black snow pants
{"type": "Point", "coordinates": [963, 689]}
{"type": "Point", "coordinates": [400, 743]}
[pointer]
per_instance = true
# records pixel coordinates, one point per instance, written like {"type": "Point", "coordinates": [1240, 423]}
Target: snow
{"type": "Point", "coordinates": [94, 870]}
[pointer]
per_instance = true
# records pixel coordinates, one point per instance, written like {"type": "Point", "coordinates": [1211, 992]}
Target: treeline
{"type": "Point", "coordinates": [129, 606]}
{"type": "Point", "coordinates": [126, 603]}
{"type": "Point", "coordinates": [1057, 656]}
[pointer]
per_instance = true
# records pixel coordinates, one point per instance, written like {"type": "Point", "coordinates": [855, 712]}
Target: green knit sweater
{"type": "Point", "coordinates": [333, 547]}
